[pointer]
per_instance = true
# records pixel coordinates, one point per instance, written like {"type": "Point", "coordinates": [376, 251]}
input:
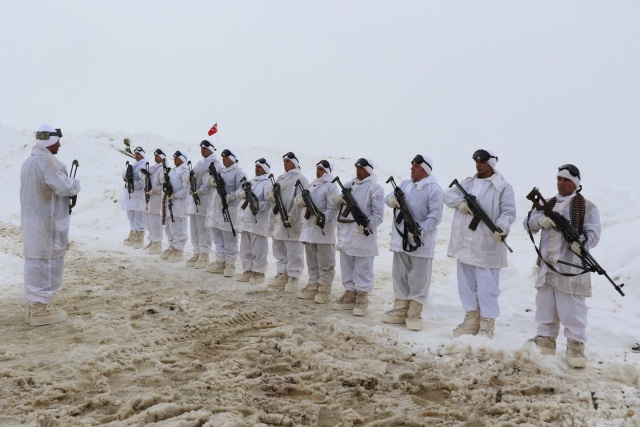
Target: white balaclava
{"type": "Point", "coordinates": [47, 142]}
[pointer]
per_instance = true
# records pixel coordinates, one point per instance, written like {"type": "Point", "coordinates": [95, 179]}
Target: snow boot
{"type": "Point", "coordinates": [398, 314]}
{"type": "Point", "coordinates": [470, 325]}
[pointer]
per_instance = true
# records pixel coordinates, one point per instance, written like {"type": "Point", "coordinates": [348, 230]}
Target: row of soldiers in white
{"type": "Point", "coordinates": [480, 253]}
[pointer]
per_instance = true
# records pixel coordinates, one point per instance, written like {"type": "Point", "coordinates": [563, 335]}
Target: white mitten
{"type": "Point", "coordinates": [463, 207]}
{"type": "Point", "coordinates": [393, 202]}
{"type": "Point", "coordinates": [300, 202]}
{"type": "Point", "coordinates": [271, 197]}
{"type": "Point", "coordinates": [547, 223]}
{"type": "Point", "coordinates": [499, 236]}
{"type": "Point", "coordinates": [338, 199]}
{"type": "Point", "coordinates": [212, 182]}
{"type": "Point", "coordinates": [229, 197]}
{"type": "Point", "coordinates": [242, 194]}
{"type": "Point", "coordinates": [575, 248]}
{"type": "Point", "coordinates": [188, 179]}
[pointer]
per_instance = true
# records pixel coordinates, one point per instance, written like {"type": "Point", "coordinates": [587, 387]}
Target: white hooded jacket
{"type": "Point", "coordinates": [155, 198]}
{"type": "Point", "coordinates": [479, 248]}
{"type": "Point", "coordinates": [136, 202]}
{"type": "Point", "coordinates": [370, 197]}
{"type": "Point", "coordinates": [289, 192]}
{"type": "Point", "coordinates": [322, 192]}
{"type": "Point", "coordinates": [424, 199]}
{"type": "Point", "coordinates": [554, 247]}
{"type": "Point", "coordinates": [178, 179]}
{"type": "Point", "coordinates": [232, 177]}
{"type": "Point", "coordinates": [45, 188]}
{"type": "Point", "coordinates": [259, 224]}
{"type": "Point", "coordinates": [201, 170]}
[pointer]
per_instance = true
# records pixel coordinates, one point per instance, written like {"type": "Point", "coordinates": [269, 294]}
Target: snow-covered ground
{"type": "Point", "coordinates": [152, 342]}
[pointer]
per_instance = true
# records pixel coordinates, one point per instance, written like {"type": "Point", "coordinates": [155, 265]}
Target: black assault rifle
{"type": "Point", "coordinates": [478, 213]}
{"type": "Point", "coordinates": [312, 209]}
{"type": "Point", "coordinates": [250, 199]}
{"type": "Point", "coordinates": [279, 208]}
{"type": "Point", "coordinates": [147, 184]}
{"type": "Point", "coordinates": [411, 227]}
{"type": "Point", "coordinates": [72, 173]}
{"type": "Point", "coordinates": [221, 186]}
{"type": "Point", "coordinates": [128, 177]}
{"type": "Point", "coordinates": [353, 208]}
{"type": "Point", "coordinates": [194, 187]}
{"type": "Point", "coordinates": [570, 234]}
{"type": "Point", "coordinates": [168, 191]}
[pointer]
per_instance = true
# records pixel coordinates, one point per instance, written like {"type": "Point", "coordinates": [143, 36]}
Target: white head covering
{"type": "Point", "coordinates": [566, 174]}
{"type": "Point", "coordinates": [228, 153]}
{"type": "Point", "coordinates": [427, 165]}
{"type": "Point", "coordinates": [265, 166]}
{"type": "Point", "coordinates": [493, 160]}
{"type": "Point", "coordinates": [294, 160]}
{"type": "Point", "coordinates": [369, 167]}
{"type": "Point", "coordinates": [141, 151]}
{"type": "Point", "coordinates": [327, 170]}
{"type": "Point", "coordinates": [46, 142]}
{"type": "Point", "coordinates": [160, 153]}
{"type": "Point", "coordinates": [181, 156]}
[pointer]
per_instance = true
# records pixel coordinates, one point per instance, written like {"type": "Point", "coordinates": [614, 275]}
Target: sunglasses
{"type": "Point", "coordinates": [290, 156]}
{"type": "Point", "coordinates": [483, 155]}
{"type": "Point", "coordinates": [574, 171]}
{"type": "Point", "coordinates": [420, 160]}
{"type": "Point", "coordinates": [45, 135]}
{"type": "Point", "coordinates": [363, 163]}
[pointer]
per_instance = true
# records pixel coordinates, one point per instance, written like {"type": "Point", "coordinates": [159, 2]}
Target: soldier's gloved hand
{"type": "Point", "coordinates": [197, 192]}
{"type": "Point", "coordinates": [242, 194]}
{"type": "Point", "coordinates": [463, 207]}
{"type": "Point", "coordinates": [547, 223]}
{"type": "Point", "coordinates": [171, 197]}
{"type": "Point", "coordinates": [229, 197]}
{"type": "Point", "coordinates": [314, 220]}
{"type": "Point", "coordinates": [271, 197]}
{"type": "Point", "coordinates": [212, 182]}
{"type": "Point", "coordinates": [499, 236]}
{"type": "Point", "coordinates": [287, 223]}
{"type": "Point", "coordinates": [361, 229]}
{"type": "Point", "coordinates": [300, 202]}
{"type": "Point", "coordinates": [393, 202]}
{"type": "Point", "coordinates": [188, 179]}
{"type": "Point", "coordinates": [576, 249]}
{"type": "Point", "coordinates": [150, 192]}
{"type": "Point", "coordinates": [338, 199]}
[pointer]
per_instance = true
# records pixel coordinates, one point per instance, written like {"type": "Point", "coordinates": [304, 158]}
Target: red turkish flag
{"type": "Point", "coordinates": [213, 129]}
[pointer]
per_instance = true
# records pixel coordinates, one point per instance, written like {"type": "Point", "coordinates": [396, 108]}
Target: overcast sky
{"type": "Point", "coordinates": [541, 82]}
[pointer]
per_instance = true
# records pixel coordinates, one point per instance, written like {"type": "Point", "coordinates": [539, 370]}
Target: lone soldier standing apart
{"type": "Point", "coordinates": [254, 244]}
{"type": "Point", "coordinates": [224, 237]}
{"type": "Point", "coordinates": [287, 249]}
{"type": "Point", "coordinates": [481, 254]}
{"type": "Point", "coordinates": [176, 223]}
{"type": "Point", "coordinates": [200, 234]}
{"type": "Point", "coordinates": [134, 202]}
{"type": "Point", "coordinates": [45, 191]}
{"type": "Point", "coordinates": [153, 213]}
{"type": "Point", "coordinates": [357, 249]}
{"type": "Point", "coordinates": [320, 243]}
{"type": "Point", "coordinates": [412, 263]}
{"type": "Point", "coordinates": [561, 297]}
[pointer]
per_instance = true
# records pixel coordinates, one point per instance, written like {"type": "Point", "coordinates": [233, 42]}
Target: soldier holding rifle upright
{"type": "Point", "coordinates": [287, 224]}
{"type": "Point", "coordinates": [200, 192]}
{"type": "Point", "coordinates": [561, 288]}
{"type": "Point", "coordinates": [481, 252]}
{"type": "Point", "coordinates": [417, 211]}
{"type": "Point", "coordinates": [45, 189]}
{"type": "Point", "coordinates": [225, 183]}
{"type": "Point", "coordinates": [361, 212]}
{"type": "Point", "coordinates": [253, 221]}
{"type": "Point", "coordinates": [133, 200]}
{"type": "Point", "coordinates": [176, 191]}
{"type": "Point", "coordinates": [153, 212]}
{"type": "Point", "coordinates": [319, 233]}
